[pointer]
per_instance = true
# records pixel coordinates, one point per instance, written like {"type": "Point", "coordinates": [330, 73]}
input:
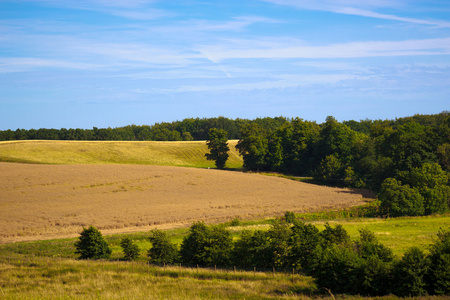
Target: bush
{"type": "Point", "coordinates": [368, 246]}
{"type": "Point", "coordinates": [409, 274]}
{"type": "Point", "coordinates": [207, 245]}
{"type": "Point", "coordinates": [339, 270]}
{"type": "Point", "coordinates": [337, 235]}
{"type": "Point", "coordinates": [400, 200]}
{"type": "Point", "coordinates": [92, 245]}
{"type": "Point", "coordinates": [303, 242]}
{"type": "Point", "coordinates": [289, 217]}
{"type": "Point", "coordinates": [439, 274]}
{"type": "Point", "coordinates": [252, 250]}
{"type": "Point", "coordinates": [162, 249]}
{"type": "Point", "coordinates": [130, 250]}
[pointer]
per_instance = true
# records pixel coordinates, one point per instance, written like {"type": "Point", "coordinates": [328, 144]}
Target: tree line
{"type": "Point", "coordinates": [190, 129]}
{"type": "Point", "coordinates": [406, 161]}
{"type": "Point", "coordinates": [338, 264]}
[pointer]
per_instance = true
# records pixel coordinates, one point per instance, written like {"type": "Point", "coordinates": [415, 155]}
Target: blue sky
{"type": "Point", "coordinates": [111, 63]}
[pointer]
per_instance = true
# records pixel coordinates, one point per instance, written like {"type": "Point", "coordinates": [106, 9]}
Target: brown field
{"type": "Point", "coordinates": [53, 201]}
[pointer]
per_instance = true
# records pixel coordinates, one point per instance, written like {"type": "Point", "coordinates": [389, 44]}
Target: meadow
{"type": "Point", "coordinates": [49, 269]}
{"type": "Point", "coordinates": [182, 154]}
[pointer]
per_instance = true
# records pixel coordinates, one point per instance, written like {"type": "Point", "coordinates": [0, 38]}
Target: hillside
{"type": "Point", "coordinates": [186, 154]}
{"type": "Point", "coordinates": [46, 201]}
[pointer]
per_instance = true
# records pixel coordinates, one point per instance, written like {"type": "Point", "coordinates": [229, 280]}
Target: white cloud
{"type": "Point", "coordinates": [439, 46]}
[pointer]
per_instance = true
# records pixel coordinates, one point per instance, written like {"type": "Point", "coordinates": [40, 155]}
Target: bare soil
{"type": "Point", "coordinates": [54, 201]}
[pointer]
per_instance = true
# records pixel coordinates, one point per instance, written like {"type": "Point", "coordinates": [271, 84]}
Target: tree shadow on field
{"type": "Point", "coordinates": [368, 194]}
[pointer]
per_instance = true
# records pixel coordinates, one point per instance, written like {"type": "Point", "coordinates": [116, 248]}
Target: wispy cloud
{"type": "Point", "coordinates": [10, 65]}
{"type": "Point", "coordinates": [131, 9]}
{"type": "Point", "coordinates": [359, 8]}
{"type": "Point", "coordinates": [439, 46]}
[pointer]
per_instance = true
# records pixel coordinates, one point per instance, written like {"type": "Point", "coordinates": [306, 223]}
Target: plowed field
{"type": "Point", "coordinates": [49, 201]}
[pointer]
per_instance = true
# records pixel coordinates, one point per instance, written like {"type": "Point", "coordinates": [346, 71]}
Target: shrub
{"type": "Point", "coordinates": [339, 270]}
{"type": "Point", "coordinates": [92, 245]}
{"type": "Point", "coordinates": [130, 250]}
{"type": "Point", "coordinates": [337, 235]}
{"type": "Point", "coordinates": [252, 250]}
{"type": "Point", "coordinates": [368, 246]}
{"type": "Point", "coordinates": [375, 276]}
{"type": "Point", "coordinates": [207, 245]}
{"type": "Point", "coordinates": [289, 217]}
{"type": "Point", "coordinates": [303, 242]}
{"type": "Point", "coordinates": [439, 274]}
{"type": "Point", "coordinates": [162, 249]}
{"type": "Point", "coordinates": [409, 273]}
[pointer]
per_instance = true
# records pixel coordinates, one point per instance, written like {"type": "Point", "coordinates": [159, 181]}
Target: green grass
{"type": "Point", "coordinates": [185, 154]}
{"type": "Point", "coordinates": [49, 269]}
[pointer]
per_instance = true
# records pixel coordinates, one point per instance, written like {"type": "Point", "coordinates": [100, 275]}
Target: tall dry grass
{"type": "Point", "coordinates": [56, 278]}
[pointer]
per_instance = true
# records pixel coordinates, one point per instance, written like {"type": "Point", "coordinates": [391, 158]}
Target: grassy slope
{"type": "Point", "coordinates": [186, 154]}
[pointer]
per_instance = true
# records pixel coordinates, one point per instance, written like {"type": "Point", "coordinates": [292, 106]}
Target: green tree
{"type": "Point", "coordinates": [400, 200]}
{"type": "Point", "coordinates": [252, 250]}
{"type": "Point", "coordinates": [431, 181]}
{"type": "Point", "coordinates": [130, 250]}
{"type": "Point", "coordinates": [162, 249]}
{"type": "Point", "coordinates": [304, 241]}
{"type": "Point", "coordinates": [91, 244]}
{"type": "Point", "coordinates": [439, 273]}
{"type": "Point", "coordinates": [207, 245]}
{"type": "Point", "coordinates": [410, 272]}
{"type": "Point", "coordinates": [217, 143]}
{"type": "Point", "coordinates": [253, 146]}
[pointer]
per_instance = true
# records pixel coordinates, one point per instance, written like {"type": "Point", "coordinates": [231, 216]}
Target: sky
{"type": "Point", "coordinates": [112, 63]}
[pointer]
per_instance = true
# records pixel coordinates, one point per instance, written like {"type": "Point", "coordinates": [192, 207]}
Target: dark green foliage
{"type": "Point", "coordinates": [253, 146]}
{"type": "Point", "coordinates": [337, 235]}
{"type": "Point", "coordinates": [368, 246]}
{"type": "Point", "coordinates": [431, 181]}
{"type": "Point", "coordinates": [207, 246]}
{"type": "Point", "coordinates": [304, 242]}
{"type": "Point", "coordinates": [278, 243]}
{"type": "Point", "coordinates": [339, 270]}
{"type": "Point", "coordinates": [409, 273]}
{"type": "Point", "coordinates": [194, 244]}
{"type": "Point", "coordinates": [289, 217]}
{"type": "Point", "coordinates": [91, 244]}
{"type": "Point", "coordinates": [217, 143]}
{"type": "Point", "coordinates": [252, 250]}
{"type": "Point", "coordinates": [130, 250]}
{"type": "Point", "coordinates": [400, 200]}
{"type": "Point", "coordinates": [375, 276]}
{"type": "Point", "coordinates": [439, 273]}
{"type": "Point", "coordinates": [162, 249]}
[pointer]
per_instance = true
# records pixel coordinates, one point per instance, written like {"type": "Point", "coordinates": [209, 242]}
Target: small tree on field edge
{"type": "Point", "coordinates": [92, 245]}
{"type": "Point", "coordinates": [130, 250]}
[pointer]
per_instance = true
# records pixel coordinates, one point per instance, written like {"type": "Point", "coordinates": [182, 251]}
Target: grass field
{"type": "Point", "coordinates": [185, 154]}
{"type": "Point", "coordinates": [49, 269]}
{"type": "Point", "coordinates": [47, 201]}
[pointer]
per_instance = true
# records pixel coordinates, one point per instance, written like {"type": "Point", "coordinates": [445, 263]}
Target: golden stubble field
{"type": "Point", "coordinates": [54, 201]}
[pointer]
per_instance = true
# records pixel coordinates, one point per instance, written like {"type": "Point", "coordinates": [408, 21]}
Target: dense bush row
{"type": "Point", "coordinates": [364, 267]}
